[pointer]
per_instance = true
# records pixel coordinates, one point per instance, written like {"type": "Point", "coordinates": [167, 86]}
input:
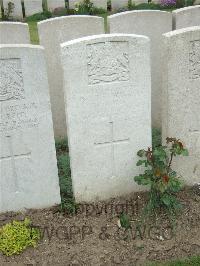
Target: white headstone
{"type": "Point", "coordinates": [117, 4]}
{"type": "Point", "coordinates": [72, 3]}
{"type": "Point", "coordinates": [28, 175]}
{"type": "Point", "coordinates": [32, 7]}
{"type": "Point", "coordinates": [53, 4]}
{"type": "Point", "coordinates": [181, 97]}
{"type": "Point", "coordinates": [186, 17]}
{"type": "Point", "coordinates": [52, 33]}
{"type": "Point", "coordinates": [17, 11]}
{"type": "Point", "coordinates": [14, 33]}
{"type": "Point", "coordinates": [100, 3]}
{"type": "Point", "coordinates": [152, 24]}
{"type": "Point", "coordinates": [108, 106]}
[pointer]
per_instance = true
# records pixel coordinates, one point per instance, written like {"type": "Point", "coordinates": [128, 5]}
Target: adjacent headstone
{"type": "Point", "coordinates": [52, 33]}
{"type": "Point", "coordinates": [28, 175]}
{"type": "Point", "coordinates": [17, 10]}
{"type": "Point", "coordinates": [97, 3]}
{"type": "Point", "coordinates": [117, 4]}
{"type": "Point", "coordinates": [1, 5]}
{"type": "Point", "coordinates": [72, 3]}
{"type": "Point", "coordinates": [100, 4]}
{"type": "Point", "coordinates": [108, 106]}
{"type": "Point", "coordinates": [152, 24]}
{"type": "Point", "coordinates": [32, 7]}
{"type": "Point", "coordinates": [181, 97]}
{"type": "Point", "coordinates": [53, 4]}
{"type": "Point", "coordinates": [186, 17]}
{"type": "Point", "coordinates": [14, 33]}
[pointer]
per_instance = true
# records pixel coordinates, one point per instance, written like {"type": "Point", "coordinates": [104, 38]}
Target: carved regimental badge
{"type": "Point", "coordinates": [107, 62]}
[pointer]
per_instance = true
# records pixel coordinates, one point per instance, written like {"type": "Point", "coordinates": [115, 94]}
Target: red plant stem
{"type": "Point", "coordinates": [170, 162]}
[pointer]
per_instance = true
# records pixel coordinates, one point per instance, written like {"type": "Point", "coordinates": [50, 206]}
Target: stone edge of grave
{"type": "Point", "coordinates": [32, 46]}
{"type": "Point", "coordinates": [108, 36]}
{"type": "Point", "coordinates": [180, 31]}
{"type": "Point", "coordinates": [137, 12]}
{"type": "Point", "coordinates": [67, 18]}
{"type": "Point", "coordinates": [180, 10]}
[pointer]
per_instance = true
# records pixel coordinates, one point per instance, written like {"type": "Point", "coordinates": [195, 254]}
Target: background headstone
{"type": "Point", "coordinates": [52, 33]}
{"type": "Point", "coordinates": [32, 7]}
{"type": "Point", "coordinates": [29, 175]}
{"type": "Point", "coordinates": [53, 4]}
{"type": "Point", "coordinates": [108, 107]}
{"type": "Point", "coordinates": [72, 3]}
{"type": "Point", "coordinates": [117, 4]}
{"type": "Point", "coordinates": [17, 11]}
{"type": "Point", "coordinates": [186, 17]}
{"type": "Point", "coordinates": [152, 24]}
{"type": "Point", "coordinates": [181, 97]}
{"type": "Point", "coordinates": [14, 33]}
{"type": "Point", "coordinates": [100, 3]}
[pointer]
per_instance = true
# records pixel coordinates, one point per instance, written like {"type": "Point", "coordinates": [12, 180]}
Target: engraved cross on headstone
{"type": "Point", "coordinates": [12, 157]}
{"type": "Point", "coordinates": [113, 142]}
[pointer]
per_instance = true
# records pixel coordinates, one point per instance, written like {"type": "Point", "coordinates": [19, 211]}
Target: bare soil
{"type": "Point", "coordinates": [92, 236]}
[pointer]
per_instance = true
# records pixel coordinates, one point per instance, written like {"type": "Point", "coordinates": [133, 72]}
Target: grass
{"type": "Point", "coordinates": [33, 32]}
{"type": "Point", "coordinates": [67, 199]}
{"type": "Point", "coordinates": [192, 261]}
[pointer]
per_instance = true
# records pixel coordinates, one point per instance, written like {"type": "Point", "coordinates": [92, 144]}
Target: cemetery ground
{"type": "Point", "coordinates": [90, 234]}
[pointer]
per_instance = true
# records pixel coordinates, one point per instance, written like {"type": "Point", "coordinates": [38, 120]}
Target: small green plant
{"type": "Point", "coordinates": [39, 16]}
{"type": "Point", "coordinates": [17, 236]}
{"type": "Point", "coordinates": [131, 5]}
{"type": "Point", "coordinates": [163, 181]}
{"type": "Point", "coordinates": [125, 221]}
{"type": "Point", "coordinates": [68, 204]}
{"type": "Point", "coordinates": [7, 12]}
{"type": "Point", "coordinates": [84, 7]}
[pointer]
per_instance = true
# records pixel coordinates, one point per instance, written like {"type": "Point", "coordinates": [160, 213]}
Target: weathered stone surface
{"type": "Point", "coordinates": [28, 170]}
{"type": "Point", "coordinates": [32, 7]}
{"type": "Point", "coordinates": [14, 33]}
{"type": "Point", "coordinates": [197, 2]}
{"type": "Point", "coordinates": [181, 94]}
{"type": "Point", "coordinates": [116, 4]}
{"type": "Point", "coordinates": [100, 4]}
{"type": "Point", "coordinates": [53, 4]}
{"type": "Point", "coordinates": [52, 33]}
{"type": "Point", "coordinates": [17, 11]}
{"type": "Point", "coordinates": [108, 105]}
{"type": "Point", "coordinates": [152, 24]}
{"type": "Point", "coordinates": [186, 17]}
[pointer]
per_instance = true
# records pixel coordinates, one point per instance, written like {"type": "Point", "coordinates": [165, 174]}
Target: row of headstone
{"type": "Point", "coordinates": [108, 115]}
{"type": "Point", "coordinates": [32, 7]}
{"type": "Point", "coordinates": [136, 22]}
{"type": "Point", "coordinates": [53, 32]}
{"type": "Point", "coordinates": [36, 6]}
